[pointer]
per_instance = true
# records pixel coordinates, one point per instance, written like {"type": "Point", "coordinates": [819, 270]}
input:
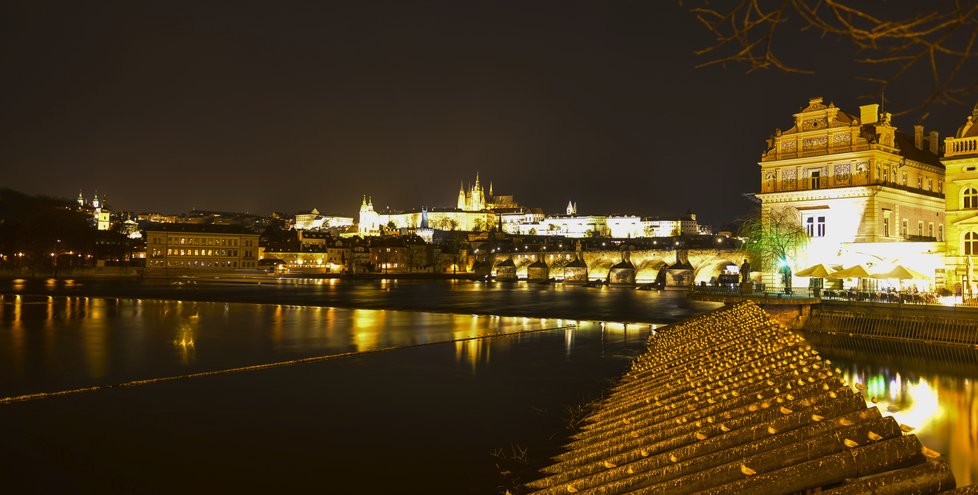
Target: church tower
{"type": "Point", "coordinates": [461, 196]}
{"type": "Point", "coordinates": [368, 217]}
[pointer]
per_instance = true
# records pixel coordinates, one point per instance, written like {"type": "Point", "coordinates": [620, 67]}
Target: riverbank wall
{"type": "Point", "coordinates": [925, 324]}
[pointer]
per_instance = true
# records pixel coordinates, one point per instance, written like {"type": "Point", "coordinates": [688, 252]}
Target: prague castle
{"type": "Point", "coordinates": [476, 210]}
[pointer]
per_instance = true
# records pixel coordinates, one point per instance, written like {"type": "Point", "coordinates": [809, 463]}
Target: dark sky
{"type": "Point", "coordinates": [287, 105]}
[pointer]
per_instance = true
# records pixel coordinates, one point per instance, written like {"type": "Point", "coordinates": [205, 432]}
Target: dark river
{"type": "Point", "coordinates": [346, 387]}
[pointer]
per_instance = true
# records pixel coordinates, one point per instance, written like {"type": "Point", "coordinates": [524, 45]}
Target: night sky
{"type": "Point", "coordinates": [260, 106]}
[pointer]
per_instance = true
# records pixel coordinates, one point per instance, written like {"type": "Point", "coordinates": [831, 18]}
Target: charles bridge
{"type": "Point", "coordinates": [676, 267]}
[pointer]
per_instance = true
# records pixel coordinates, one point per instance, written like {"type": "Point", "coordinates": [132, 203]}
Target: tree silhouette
{"type": "Point", "coordinates": [771, 239]}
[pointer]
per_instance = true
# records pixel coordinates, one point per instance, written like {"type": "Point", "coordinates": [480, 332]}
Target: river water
{"type": "Point", "coordinates": [161, 388]}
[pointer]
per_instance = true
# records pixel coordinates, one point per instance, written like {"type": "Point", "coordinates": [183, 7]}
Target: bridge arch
{"type": "Point", "coordinates": [648, 270]}
{"type": "Point", "coordinates": [708, 270]}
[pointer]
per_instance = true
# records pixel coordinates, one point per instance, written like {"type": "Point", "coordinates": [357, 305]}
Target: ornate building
{"type": "Point", "coordinates": [369, 219]}
{"type": "Point", "coordinates": [866, 193]}
{"type": "Point", "coordinates": [475, 198]}
{"type": "Point", "coordinates": [961, 204]}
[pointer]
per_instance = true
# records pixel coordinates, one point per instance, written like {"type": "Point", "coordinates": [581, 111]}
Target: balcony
{"type": "Point", "coordinates": [805, 184]}
{"type": "Point", "coordinates": [818, 151]}
{"type": "Point", "coordinates": [961, 146]}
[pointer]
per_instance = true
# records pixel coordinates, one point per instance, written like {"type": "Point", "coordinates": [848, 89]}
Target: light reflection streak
{"type": "Point", "coordinates": [238, 369]}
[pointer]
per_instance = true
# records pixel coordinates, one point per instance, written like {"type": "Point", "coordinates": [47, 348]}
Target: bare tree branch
{"type": "Point", "coordinates": [939, 41]}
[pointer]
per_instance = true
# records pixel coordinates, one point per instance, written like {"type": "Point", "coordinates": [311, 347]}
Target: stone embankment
{"type": "Point", "coordinates": [734, 402]}
{"type": "Point", "coordinates": [936, 324]}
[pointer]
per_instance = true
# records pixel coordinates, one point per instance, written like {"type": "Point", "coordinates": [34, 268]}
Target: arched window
{"type": "Point", "coordinates": [970, 196]}
{"type": "Point", "coordinates": [970, 243]}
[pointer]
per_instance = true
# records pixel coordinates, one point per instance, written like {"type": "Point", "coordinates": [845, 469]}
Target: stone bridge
{"type": "Point", "coordinates": [703, 264]}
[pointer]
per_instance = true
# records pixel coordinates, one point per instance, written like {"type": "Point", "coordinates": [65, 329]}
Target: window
{"type": "Point", "coordinates": [970, 243]}
{"type": "Point", "coordinates": [930, 184]}
{"type": "Point", "coordinates": [905, 229]}
{"type": "Point", "coordinates": [816, 177]}
{"type": "Point", "coordinates": [904, 178]}
{"type": "Point", "coordinates": [886, 223]}
{"type": "Point", "coordinates": [930, 229]}
{"type": "Point", "coordinates": [920, 228]}
{"type": "Point", "coordinates": [940, 187]}
{"type": "Point", "coordinates": [920, 182]}
{"type": "Point", "coordinates": [815, 226]}
{"type": "Point", "coordinates": [940, 233]}
{"type": "Point", "coordinates": [970, 196]}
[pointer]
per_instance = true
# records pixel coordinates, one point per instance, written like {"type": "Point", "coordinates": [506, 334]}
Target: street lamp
{"type": "Point", "coordinates": [55, 255]}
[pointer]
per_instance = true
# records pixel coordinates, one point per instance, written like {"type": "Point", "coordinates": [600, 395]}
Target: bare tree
{"type": "Point", "coordinates": [771, 239]}
{"type": "Point", "coordinates": [939, 39]}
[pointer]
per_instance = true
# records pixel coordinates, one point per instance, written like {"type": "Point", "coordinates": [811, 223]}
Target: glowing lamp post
{"type": "Point", "coordinates": [785, 267]}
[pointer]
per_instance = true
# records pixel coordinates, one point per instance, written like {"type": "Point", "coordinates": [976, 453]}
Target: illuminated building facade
{"type": "Point", "coordinates": [575, 226]}
{"type": "Point", "coordinates": [101, 216]}
{"type": "Point", "coordinates": [316, 253]}
{"type": "Point", "coordinates": [633, 227]}
{"type": "Point", "coordinates": [961, 203]}
{"type": "Point", "coordinates": [194, 247]}
{"type": "Point", "coordinates": [313, 220]}
{"type": "Point", "coordinates": [866, 193]}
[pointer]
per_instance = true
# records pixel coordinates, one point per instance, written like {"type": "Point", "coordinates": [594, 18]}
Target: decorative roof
{"type": "Point", "coordinates": [907, 149]}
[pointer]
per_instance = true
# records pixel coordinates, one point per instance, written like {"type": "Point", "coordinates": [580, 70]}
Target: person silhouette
{"type": "Point", "coordinates": [745, 271]}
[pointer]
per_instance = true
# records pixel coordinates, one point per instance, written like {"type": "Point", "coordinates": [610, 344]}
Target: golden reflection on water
{"type": "Point", "coordinates": [186, 331]}
{"type": "Point", "coordinates": [94, 337]}
{"type": "Point", "coordinates": [473, 352]}
{"type": "Point", "coordinates": [365, 328]}
{"type": "Point", "coordinates": [943, 412]}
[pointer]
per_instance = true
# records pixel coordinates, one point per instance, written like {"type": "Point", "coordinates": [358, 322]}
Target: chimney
{"type": "Point", "coordinates": [869, 114]}
{"type": "Point", "coordinates": [918, 136]}
{"type": "Point", "coordinates": [934, 143]}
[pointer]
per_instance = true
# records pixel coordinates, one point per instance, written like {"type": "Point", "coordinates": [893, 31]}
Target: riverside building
{"type": "Point", "coordinates": [865, 192]}
{"type": "Point", "coordinates": [196, 247]}
{"type": "Point", "coordinates": [961, 203]}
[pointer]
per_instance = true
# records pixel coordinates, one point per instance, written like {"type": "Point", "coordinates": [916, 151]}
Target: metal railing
{"type": "Point", "coordinates": [757, 290]}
